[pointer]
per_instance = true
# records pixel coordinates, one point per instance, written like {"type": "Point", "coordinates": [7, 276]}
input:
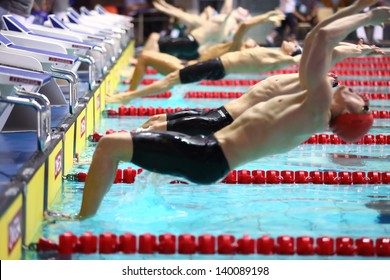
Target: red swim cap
{"type": "Point", "coordinates": [352, 127]}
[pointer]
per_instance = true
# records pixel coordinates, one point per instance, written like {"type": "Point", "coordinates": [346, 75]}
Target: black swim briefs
{"type": "Point", "coordinates": [198, 159]}
{"type": "Point", "coordinates": [211, 69]}
{"type": "Point", "coordinates": [204, 123]}
{"type": "Point", "coordinates": [183, 47]}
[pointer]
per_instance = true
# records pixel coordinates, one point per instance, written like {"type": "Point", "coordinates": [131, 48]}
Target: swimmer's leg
{"type": "Point", "coordinates": [154, 120]}
{"type": "Point", "coordinates": [211, 69]}
{"type": "Point", "coordinates": [204, 124]}
{"type": "Point", "coordinates": [157, 87]}
{"type": "Point", "coordinates": [158, 120]}
{"type": "Point", "coordinates": [152, 42]}
{"type": "Point", "coordinates": [163, 63]}
{"type": "Point", "coordinates": [109, 151]}
{"type": "Point", "coordinates": [160, 126]}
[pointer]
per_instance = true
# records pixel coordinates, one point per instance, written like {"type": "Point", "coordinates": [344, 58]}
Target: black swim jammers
{"type": "Point", "coordinates": [198, 159]}
{"type": "Point", "coordinates": [185, 113]}
{"type": "Point", "coordinates": [182, 47]}
{"type": "Point", "coordinates": [196, 122]}
{"type": "Point", "coordinates": [211, 69]}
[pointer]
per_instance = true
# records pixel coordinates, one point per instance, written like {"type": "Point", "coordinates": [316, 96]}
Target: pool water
{"type": "Point", "coordinates": [153, 205]}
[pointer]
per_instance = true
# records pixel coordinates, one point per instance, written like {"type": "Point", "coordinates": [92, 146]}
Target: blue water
{"type": "Point", "coordinates": [153, 205]}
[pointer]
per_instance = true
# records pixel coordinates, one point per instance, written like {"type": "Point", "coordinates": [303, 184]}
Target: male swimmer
{"type": "Point", "coordinates": [197, 121]}
{"type": "Point", "coordinates": [165, 63]}
{"type": "Point", "coordinates": [252, 60]}
{"type": "Point", "coordinates": [267, 128]}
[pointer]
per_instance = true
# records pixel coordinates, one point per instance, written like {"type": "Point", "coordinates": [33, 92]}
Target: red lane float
{"type": "Point", "coordinates": [126, 176]}
{"type": "Point", "coordinates": [142, 111]}
{"type": "Point", "coordinates": [306, 177]}
{"type": "Point", "coordinates": [244, 176]}
{"type": "Point", "coordinates": [213, 94]}
{"type": "Point", "coordinates": [223, 244]}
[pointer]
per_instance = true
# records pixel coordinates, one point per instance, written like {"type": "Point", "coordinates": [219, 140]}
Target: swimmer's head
{"type": "Point", "coordinates": [290, 48]}
{"type": "Point", "coordinates": [248, 44]}
{"type": "Point", "coordinates": [351, 116]}
{"type": "Point", "coordinates": [209, 12]}
{"type": "Point", "coordinates": [333, 79]}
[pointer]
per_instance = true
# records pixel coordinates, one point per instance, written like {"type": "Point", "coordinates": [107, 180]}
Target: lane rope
{"type": "Point", "coordinates": [258, 176]}
{"type": "Point", "coordinates": [224, 244]}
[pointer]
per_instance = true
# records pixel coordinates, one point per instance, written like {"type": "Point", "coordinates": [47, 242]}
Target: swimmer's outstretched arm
{"type": "Point", "coordinates": [162, 62]}
{"type": "Point", "coordinates": [319, 58]}
{"type": "Point", "coordinates": [188, 18]}
{"type": "Point", "coordinates": [345, 50]}
{"type": "Point", "coordinates": [227, 7]}
{"type": "Point", "coordinates": [274, 16]}
{"type": "Point", "coordinates": [354, 8]}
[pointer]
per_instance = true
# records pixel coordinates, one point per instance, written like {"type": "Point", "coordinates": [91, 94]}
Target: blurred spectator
{"type": "Point", "coordinates": [306, 11]}
{"type": "Point", "coordinates": [82, 3]}
{"type": "Point", "coordinates": [147, 20]}
{"type": "Point", "coordinates": [288, 7]}
{"type": "Point", "coordinates": [28, 11]}
{"type": "Point", "coordinates": [21, 9]}
{"type": "Point", "coordinates": [42, 8]}
{"type": "Point", "coordinates": [371, 34]}
{"type": "Point", "coordinates": [176, 28]}
{"type": "Point", "coordinates": [133, 6]}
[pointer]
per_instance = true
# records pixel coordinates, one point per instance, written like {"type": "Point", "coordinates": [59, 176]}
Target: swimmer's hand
{"type": "Point", "coordinates": [369, 49]}
{"type": "Point", "coordinates": [53, 216]}
{"type": "Point", "coordinates": [276, 17]}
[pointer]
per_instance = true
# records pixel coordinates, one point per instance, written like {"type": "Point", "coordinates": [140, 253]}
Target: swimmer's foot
{"type": "Point", "coordinates": [118, 98]}
{"type": "Point", "coordinates": [53, 216]}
